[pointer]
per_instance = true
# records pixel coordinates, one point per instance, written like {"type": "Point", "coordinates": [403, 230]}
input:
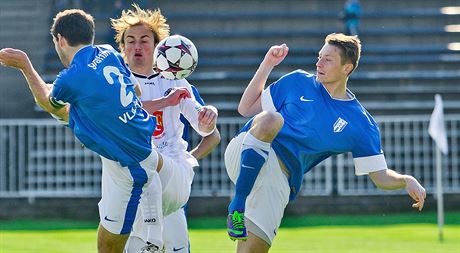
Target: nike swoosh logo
{"type": "Point", "coordinates": [245, 166]}
{"type": "Point", "coordinates": [236, 232]}
{"type": "Point", "coordinates": [177, 249]}
{"type": "Point", "coordinates": [107, 219]}
{"type": "Point", "coordinates": [306, 100]}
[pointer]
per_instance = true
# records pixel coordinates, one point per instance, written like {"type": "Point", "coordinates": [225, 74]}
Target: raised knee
{"type": "Point", "coordinates": [268, 122]}
{"type": "Point", "coordinates": [271, 120]}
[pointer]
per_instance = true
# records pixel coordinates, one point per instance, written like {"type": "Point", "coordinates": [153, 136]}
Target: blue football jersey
{"type": "Point", "coordinates": [316, 126]}
{"type": "Point", "coordinates": [105, 114]}
{"type": "Point", "coordinates": [199, 99]}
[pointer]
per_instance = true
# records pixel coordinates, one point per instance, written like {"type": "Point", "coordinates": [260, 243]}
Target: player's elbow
{"type": "Point", "coordinates": [244, 111]}
{"type": "Point", "coordinates": [46, 106]}
{"type": "Point", "coordinates": [248, 109]}
{"type": "Point", "coordinates": [241, 112]}
{"type": "Point", "coordinates": [216, 138]}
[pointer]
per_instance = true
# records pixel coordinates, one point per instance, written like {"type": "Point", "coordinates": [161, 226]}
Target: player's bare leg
{"type": "Point", "coordinates": [255, 149]}
{"type": "Point", "coordinates": [110, 243]}
{"type": "Point", "coordinates": [266, 126]}
{"type": "Point", "coordinates": [252, 245]}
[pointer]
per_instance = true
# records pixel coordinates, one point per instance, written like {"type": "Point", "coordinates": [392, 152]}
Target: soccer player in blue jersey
{"type": "Point", "coordinates": [298, 121]}
{"type": "Point", "coordinates": [96, 97]}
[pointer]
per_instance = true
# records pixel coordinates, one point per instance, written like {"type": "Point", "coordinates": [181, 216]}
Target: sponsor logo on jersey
{"type": "Point", "coordinates": [159, 128]}
{"type": "Point", "coordinates": [339, 125]}
{"type": "Point", "coordinates": [305, 99]}
{"type": "Point", "coordinates": [98, 59]}
{"type": "Point", "coordinates": [168, 91]}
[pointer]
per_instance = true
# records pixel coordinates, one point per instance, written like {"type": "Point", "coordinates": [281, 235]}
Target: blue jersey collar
{"type": "Point", "coordinates": [80, 51]}
{"type": "Point", "coordinates": [351, 96]}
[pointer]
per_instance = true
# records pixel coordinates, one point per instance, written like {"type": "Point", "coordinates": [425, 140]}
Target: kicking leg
{"type": "Point", "coordinates": [254, 153]}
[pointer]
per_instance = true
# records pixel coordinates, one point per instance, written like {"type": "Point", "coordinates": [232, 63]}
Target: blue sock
{"type": "Point", "coordinates": [253, 157]}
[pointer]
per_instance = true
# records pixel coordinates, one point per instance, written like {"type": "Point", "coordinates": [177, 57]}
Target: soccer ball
{"type": "Point", "coordinates": [176, 57]}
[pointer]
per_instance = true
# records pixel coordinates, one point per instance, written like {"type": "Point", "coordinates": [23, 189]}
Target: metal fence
{"type": "Point", "coordinates": [40, 158]}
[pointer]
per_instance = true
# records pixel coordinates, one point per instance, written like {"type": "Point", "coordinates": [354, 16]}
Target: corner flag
{"type": "Point", "coordinates": [437, 131]}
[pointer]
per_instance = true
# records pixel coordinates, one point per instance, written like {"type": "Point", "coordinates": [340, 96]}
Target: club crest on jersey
{"type": "Point", "coordinates": [159, 128]}
{"type": "Point", "coordinates": [168, 91]}
{"type": "Point", "coordinates": [339, 125]}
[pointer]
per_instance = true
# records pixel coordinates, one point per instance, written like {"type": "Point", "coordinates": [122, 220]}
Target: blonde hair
{"type": "Point", "coordinates": [154, 20]}
{"type": "Point", "coordinates": [350, 48]}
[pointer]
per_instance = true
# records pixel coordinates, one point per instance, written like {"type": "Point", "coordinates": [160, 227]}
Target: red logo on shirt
{"type": "Point", "coordinates": [159, 129]}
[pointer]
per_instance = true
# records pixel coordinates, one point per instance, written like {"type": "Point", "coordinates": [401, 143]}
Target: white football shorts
{"type": "Point", "coordinates": [176, 177]}
{"type": "Point", "coordinates": [122, 188]}
{"type": "Point", "coordinates": [176, 180]}
{"type": "Point", "coordinates": [270, 195]}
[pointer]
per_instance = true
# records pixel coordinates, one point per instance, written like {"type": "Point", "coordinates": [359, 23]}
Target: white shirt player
{"type": "Point", "coordinates": [168, 140]}
{"type": "Point", "coordinates": [167, 136]}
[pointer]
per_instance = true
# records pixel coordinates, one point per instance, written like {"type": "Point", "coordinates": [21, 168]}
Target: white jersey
{"type": "Point", "coordinates": [167, 136]}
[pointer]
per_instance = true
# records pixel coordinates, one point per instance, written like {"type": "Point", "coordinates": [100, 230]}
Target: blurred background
{"type": "Point", "coordinates": [411, 51]}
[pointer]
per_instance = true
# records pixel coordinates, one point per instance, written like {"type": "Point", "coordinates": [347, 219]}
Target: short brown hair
{"type": "Point", "coordinates": [350, 48]}
{"type": "Point", "coordinates": [154, 20]}
{"type": "Point", "coordinates": [76, 26]}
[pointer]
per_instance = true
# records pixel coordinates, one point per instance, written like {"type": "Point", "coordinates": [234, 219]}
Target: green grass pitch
{"type": "Point", "coordinates": [325, 234]}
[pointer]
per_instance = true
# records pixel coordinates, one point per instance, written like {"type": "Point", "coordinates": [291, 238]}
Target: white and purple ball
{"type": "Point", "coordinates": [175, 57]}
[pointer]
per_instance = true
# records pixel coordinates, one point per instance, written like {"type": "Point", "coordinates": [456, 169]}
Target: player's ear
{"type": "Point", "coordinates": [61, 40]}
{"type": "Point", "coordinates": [347, 68]}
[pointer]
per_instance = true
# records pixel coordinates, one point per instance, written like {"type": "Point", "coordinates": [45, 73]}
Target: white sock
{"type": "Point", "coordinates": [152, 216]}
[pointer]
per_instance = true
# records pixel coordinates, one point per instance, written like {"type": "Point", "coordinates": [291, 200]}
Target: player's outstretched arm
{"type": "Point", "coordinates": [250, 103]}
{"type": "Point", "coordinates": [206, 145]}
{"type": "Point", "coordinates": [391, 180]}
{"type": "Point", "coordinates": [40, 90]}
{"type": "Point", "coordinates": [172, 99]}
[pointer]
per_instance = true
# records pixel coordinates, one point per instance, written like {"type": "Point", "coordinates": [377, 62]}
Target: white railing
{"type": "Point", "coordinates": [40, 158]}
{"type": "Point", "coordinates": [409, 149]}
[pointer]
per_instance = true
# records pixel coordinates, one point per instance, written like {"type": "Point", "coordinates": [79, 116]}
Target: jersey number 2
{"type": "Point", "coordinates": [126, 97]}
